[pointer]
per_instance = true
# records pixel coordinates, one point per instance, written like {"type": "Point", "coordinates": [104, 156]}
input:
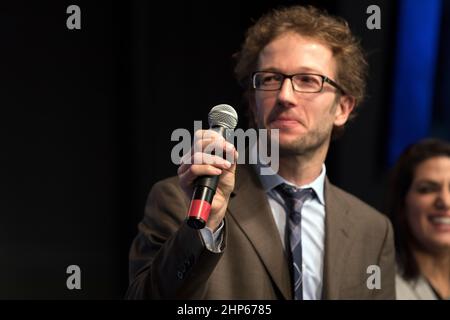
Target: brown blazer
{"type": "Point", "coordinates": [168, 260]}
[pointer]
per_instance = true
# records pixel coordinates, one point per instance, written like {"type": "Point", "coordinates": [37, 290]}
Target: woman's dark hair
{"type": "Point", "coordinates": [401, 179]}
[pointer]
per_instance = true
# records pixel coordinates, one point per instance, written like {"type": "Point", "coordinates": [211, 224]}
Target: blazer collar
{"type": "Point", "coordinates": [338, 240]}
{"type": "Point", "coordinates": [250, 209]}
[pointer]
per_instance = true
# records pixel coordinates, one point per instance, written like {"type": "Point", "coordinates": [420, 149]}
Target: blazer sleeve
{"type": "Point", "coordinates": [168, 259]}
{"type": "Point", "coordinates": [386, 261]}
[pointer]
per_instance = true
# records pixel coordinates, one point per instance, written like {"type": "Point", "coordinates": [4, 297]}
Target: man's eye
{"type": "Point", "coordinates": [308, 80]}
{"type": "Point", "coordinates": [271, 79]}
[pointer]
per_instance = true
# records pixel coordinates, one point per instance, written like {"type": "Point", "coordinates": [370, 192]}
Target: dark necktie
{"type": "Point", "coordinates": [294, 199]}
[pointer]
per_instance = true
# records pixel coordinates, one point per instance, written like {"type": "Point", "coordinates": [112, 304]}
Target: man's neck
{"type": "Point", "coordinates": [436, 269]}
{"type": "Point", "coordinates": [302, 169]}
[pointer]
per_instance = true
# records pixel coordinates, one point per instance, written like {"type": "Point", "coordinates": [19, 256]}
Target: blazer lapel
{"type": "Point", "coordinates": [338, 242]}
{"type": "Point", "coordinates": [250, 209]}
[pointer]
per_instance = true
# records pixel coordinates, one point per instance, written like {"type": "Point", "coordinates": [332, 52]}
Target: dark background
{"type": "Point", "coordinates": [87, 117]}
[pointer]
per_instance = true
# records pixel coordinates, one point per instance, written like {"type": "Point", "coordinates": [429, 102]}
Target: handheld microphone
{"type": "Point", "coordinates": [222, 118]}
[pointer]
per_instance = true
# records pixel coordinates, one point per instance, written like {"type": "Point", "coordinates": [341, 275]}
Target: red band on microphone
{"type": "Point", "coordinates": [199, 209]}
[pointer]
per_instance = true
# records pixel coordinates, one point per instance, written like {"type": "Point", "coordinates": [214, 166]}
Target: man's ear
{"type": "Point", "coordinates": [343, 110]}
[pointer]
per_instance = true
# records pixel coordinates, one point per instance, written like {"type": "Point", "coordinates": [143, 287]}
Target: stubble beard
{"type": "Point", "coordinates": [306, 145]}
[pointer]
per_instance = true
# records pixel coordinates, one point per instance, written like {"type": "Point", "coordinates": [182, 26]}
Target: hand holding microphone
{"type": "Point", "coordinates": [208, 179]}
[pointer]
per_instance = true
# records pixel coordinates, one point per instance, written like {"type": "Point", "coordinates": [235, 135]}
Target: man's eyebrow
{"type": "Point", "coordinates": [270, 69]}
{"type": "Point", "coordinates": [299, 70]}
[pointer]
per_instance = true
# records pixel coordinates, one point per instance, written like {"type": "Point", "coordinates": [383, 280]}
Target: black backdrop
{"type": "Point", "coordinates": [87, 117]}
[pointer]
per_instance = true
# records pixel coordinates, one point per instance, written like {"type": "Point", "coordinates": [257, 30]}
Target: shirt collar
{"type": "Point", "coordinates": [271, 181]}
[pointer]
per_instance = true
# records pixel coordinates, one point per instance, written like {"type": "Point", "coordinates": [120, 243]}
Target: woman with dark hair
{"type": "Point", "coordinates": [419, 207]}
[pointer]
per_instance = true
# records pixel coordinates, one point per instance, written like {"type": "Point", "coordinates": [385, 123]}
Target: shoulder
{"type": "Point", "coordinates": [355, 206]}
{"type": "Point", "coordinates": [415, 289]}
{"type": "Point", "coordinates": [167, 189]}
{"type": "Point", "coordinates": [167, 197]}
{"type": "Point", "coordinates": [403, 289]}
{"type": "Point", "coordinates": [168, 184]}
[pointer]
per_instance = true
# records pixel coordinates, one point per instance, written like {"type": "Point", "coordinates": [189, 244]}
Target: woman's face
{"type": "Point", "coordinates": [428, 204]}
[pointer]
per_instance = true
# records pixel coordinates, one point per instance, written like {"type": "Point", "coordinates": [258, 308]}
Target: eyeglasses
{"type": "Point", "coordinates": [301, 82]}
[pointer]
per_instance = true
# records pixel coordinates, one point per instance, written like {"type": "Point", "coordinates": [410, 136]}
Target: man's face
{"type": "Point", "coordinates": [304, 120]}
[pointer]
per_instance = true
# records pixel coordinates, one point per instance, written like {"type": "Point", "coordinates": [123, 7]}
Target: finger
{"type": "Point", "coordinates": [234, 161]}
{"type": "Point", "coordinates": [182, 168]}
{"type": "Point", "coordinates": [219, 147]}
{"type": "Point", "coordinates": [186, 161]}
{"type": "Point", "coordinates": [203, 138]}
{"type": "Point", "coordinates": [197, 170]}
{"type": "Point", "coordinates": [231, 155]}
{"type": "Point", "coordinates": [209, 143]}
{"type": "Point", "coordinates": [206, 158]}
{"type": "Point", "coordinates": [206, 134]}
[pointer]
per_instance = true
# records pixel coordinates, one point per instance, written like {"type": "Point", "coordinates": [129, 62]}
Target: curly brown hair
{"type": "Point", "coordinates": [310, 22]}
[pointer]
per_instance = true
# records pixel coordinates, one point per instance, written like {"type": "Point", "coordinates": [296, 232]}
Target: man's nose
{"type": "Point", "coordinates": [286, 95]}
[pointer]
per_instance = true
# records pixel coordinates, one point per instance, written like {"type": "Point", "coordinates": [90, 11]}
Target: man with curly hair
{"type": "Point", "coordinates": [290, 235]}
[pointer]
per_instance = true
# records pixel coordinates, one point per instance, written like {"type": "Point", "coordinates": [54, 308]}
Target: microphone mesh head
{"type": "Point", "coordinates": [223, 115]}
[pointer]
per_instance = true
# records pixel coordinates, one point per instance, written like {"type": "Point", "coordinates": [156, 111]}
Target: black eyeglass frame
{"type": "Point", "coordinates": [287, 76]}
